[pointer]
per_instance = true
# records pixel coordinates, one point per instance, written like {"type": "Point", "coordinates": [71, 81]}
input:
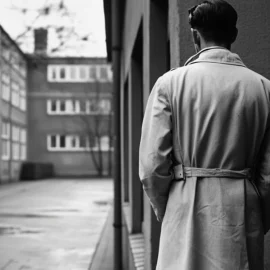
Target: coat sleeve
{"type": "Point", "coordinates": [263, 179]}
{"type": "Point", "coordinates": [155, 162]}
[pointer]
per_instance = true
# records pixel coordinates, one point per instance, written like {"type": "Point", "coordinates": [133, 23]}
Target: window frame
{"type": "Point", "coordinates": [77, 146]}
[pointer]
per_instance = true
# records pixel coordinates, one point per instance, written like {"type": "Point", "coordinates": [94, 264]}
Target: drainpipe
{"type": "Point", "coordinates": [116, 54]}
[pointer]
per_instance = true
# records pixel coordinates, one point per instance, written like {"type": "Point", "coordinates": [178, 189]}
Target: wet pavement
{"type": "Point", "coordinates": [52, 224]}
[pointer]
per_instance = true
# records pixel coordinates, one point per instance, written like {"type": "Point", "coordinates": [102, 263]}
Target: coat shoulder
{"type": "Point", "coordinates": [172, 72]}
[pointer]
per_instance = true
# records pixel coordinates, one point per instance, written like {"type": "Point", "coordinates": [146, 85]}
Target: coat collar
{"type": "Point", "coordinates": [216, 54]}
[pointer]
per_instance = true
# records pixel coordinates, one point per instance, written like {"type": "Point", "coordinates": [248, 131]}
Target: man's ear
{"type": "Point", "coordinates": [196, 39]}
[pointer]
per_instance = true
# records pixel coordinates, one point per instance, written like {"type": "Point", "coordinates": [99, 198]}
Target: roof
{"type": "Point", "coordinates": [12, 41]}
{"type": "Point", "coordinates": [43, 58]}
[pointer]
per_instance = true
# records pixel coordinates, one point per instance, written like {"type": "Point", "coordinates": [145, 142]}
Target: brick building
{"type": "Point", "coordinates": [60, 105]}
{"type": "Point", "coordinates": [13, 112]}
{"type": "Point", "coordinates": [69, 112]}
{"type": "Point", "coordinates": [155, 37]}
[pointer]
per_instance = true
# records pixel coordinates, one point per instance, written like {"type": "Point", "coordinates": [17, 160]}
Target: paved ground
{"type": "Point", "coordinates": [52, 224]}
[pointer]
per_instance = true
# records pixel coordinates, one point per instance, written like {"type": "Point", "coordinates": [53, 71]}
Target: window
{"type": "Point", "coordinates": [15, 133]}
{"type": "Point", "coordinates": [15, 95]}
{"type": "Point", "coordinates": [23, 152]}
{"type": "Point", "coordinates": [62, 141]}
{"type": "Point", "coordinates": [76, 143]}
{"type": "Point", "coordinates": [18, 143]}
{"type": "Point", "coordinates": [5, 92]}
{"type": "Point", "coordinates": [5, 149]}
{"type": "Point", "coordinates": [5, 130]}
{"type": "Point", "coordinates": [5, 86]}
{"type": "Point", "coordinates": [78, 73]}
{"type": "Point", "coordinates": [22, 103]}
{"type": "Point", "coordinates": [15, 151]}
{"type": "Point", "coordinates": [62, 73]}
{"type": "Point", "coordinates": [83, 142]}
{"type": "Point", "coordinates": [103, 75]}
{"type": "Point", "coordinates": [51, 106]}
{"type": "Point", "coordinates": [53, 143]}
{"type": "Point", "coordinates": [82, 106]}
{"type": "Point", "coordinates": [62, 107]}
{"type": "Point", "coordinates": [105, 106]}
{"type": "Point", "coordinates": [92, 73]}
{"type": "Point", "coordinates": [52, 73]}
{"type": "Point", "coordinates": [72, 106]}
{"type": "Point", "coordinates": [54, 76]}
{"type": "Point", "coordinates": [15, 60]}
{"type": "Point", "coordinates": [22, 68]}
{"type": "Point", "coordinates": [23, 143]}
{"type": "Point", "coordinates": [93, 106]}
{"type": "Point", "coordinates": [105, 143]}
{"type": "Point", "coordinates": [23, 135]}
{"type": "Point", "coordinates": [5, 140]}
{"type": "Point", "coordinates": [73, 72]}
{"type": "Point", "coordinates": [82, 73]}
{"type": "Point", "coordinates": [22, 100]}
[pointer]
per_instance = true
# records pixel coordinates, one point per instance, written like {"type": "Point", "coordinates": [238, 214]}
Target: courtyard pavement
{"type": "Point", "coordinates": [52, 224]}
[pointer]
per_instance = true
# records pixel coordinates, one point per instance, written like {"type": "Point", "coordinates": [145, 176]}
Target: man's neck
{"type": "Point", "coordinates": [207, 44]}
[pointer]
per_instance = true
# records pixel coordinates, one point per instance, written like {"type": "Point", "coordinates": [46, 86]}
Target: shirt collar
{"type": "Point", "coordinates": [216, 54]}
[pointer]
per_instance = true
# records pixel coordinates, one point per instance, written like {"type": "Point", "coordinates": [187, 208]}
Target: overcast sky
{"type": "Point", "coordinates": [80, 19]}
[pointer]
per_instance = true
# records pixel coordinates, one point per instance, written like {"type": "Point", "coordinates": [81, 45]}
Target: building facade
{"type": "Point", "coordinates": [155, 37]}
{"type": "Point", "coordinates": [70, 114]}
{"type": "Point", "coordinates": [13, 108]}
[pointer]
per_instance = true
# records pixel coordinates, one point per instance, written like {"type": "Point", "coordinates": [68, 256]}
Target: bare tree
{"type": "Point", "coordinates": [63, 32]}
{"type": "Point", "coordinates": [97, 129]}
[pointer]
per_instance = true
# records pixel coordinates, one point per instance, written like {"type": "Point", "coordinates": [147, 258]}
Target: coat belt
{"type": "Point", "coordinates": [181, 172]}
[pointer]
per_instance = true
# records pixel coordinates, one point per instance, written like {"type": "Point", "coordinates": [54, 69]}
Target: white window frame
{"type": "Point", "coordinates": [107, 106]}
{"type": "Point", "coordinates": [77, 73]}
{"type": "Point", "coordinates": [75, 69]}
{"type": "Point", "coordinates": [5, 154]}
{"type": "Point", "coordinates": [5, 130]}
{"type": "Point", "coordinates": [99, 73]}
{"type": "Point", "coordinates": [5, 86]}
{"type": "Point", "coordinates": [77, 148]}
{"type": "Point", "coordinates": [49, 107]}
{"type": "Point", "coordinates": [94, 78]}
{"type": "Point", "coordinates": [23, 135]}
{"type": "Point", "coordinates": [15, 94]}
{"type": "Point", "coordinates": [23, 152]}
{"type": "Point", "coordinates": [5, 140]}
{"type": "Point", "coordinates": [15, 150]}
{"type": "Point", "coordinates": [70, 109]}
{"type": "Point", "coordinates": [23, 103]}
{"type": "Point", "coordinates": [15, 133]}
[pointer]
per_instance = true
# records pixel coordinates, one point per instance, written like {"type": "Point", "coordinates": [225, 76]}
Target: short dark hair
{"type": "Point", "coordinates": [215, 20]}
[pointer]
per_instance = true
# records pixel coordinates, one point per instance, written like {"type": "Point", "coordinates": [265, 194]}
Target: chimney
{"type": "Point", "coordinates": [41, 40]}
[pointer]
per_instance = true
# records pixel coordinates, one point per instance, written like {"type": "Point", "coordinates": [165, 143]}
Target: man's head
{"type": "Point", "coordinates": [213, 22]}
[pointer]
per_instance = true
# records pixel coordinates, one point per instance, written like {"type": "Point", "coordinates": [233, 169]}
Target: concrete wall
{"type": "Point", "coordinates": [159, 54]}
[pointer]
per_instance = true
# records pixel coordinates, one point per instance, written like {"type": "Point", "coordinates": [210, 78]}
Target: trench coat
{"type": "Point", "coordinates": [211, 113]}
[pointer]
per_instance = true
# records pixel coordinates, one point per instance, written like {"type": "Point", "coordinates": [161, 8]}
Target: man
{"type": "Point", "coordinates": [205, 152]}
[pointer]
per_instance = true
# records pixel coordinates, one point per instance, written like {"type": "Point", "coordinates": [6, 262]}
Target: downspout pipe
{"type": "Point", "coordinates": [116, 58]}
